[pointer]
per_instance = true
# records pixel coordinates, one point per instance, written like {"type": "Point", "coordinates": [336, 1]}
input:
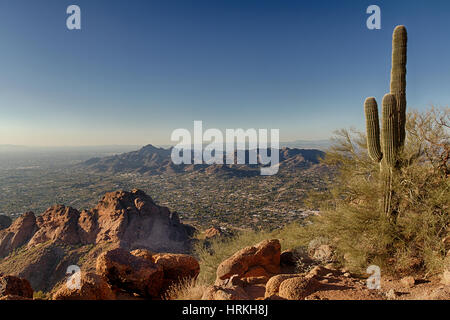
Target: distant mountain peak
{"type": "Point", "coordinates": [151, 160]}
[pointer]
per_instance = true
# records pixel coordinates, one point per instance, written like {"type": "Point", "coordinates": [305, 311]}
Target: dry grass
{"type": "Point", "coordinates": [187, 289]}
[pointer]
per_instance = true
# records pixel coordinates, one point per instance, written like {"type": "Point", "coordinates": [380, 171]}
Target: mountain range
{"type": "Point", "coordinates": [151, 160]}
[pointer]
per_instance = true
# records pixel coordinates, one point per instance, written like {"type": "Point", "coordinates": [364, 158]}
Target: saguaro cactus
{"type": "Point", "coordinates": [398, 77]}
{"type": "Point", "coordinates": [386, 149]}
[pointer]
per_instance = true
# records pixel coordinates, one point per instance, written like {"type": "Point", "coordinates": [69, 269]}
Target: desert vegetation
{"type": "Point", "coordinates": [388, 203]}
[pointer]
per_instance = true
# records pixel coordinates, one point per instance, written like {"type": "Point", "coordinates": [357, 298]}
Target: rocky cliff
{"type": "Point", "coordinates": [41, 247]}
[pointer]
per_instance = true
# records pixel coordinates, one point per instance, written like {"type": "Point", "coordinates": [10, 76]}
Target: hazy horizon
{"type": "Point", "coordinates": [135, 145]}
{"type": "Point", "coordinates": [137, 71]}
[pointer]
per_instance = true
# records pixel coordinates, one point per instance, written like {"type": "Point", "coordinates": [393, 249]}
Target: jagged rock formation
{"type": "Point", "coordinates": [18, 234]}
{"type": "Point", "coordinates": [129, 219]}
{"type": "Point", "coordinates": [41, 248]}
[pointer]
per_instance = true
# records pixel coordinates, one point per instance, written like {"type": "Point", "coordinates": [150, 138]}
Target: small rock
{"type": "Point", "coordinates": [408, 282]}
{"type": "Point", "coordinates": [347, 275]}
{"type": "Point", "coordinates": [213, 232]}
{"type": "Point", "coordinates": [391, 294]}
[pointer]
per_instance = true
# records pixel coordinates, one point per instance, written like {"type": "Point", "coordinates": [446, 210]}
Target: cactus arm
{"type": "Point", "coordinates": [373, 129]}
{"type": "Point", "coordinates": [390, 130]}
{"type": "Point", "coordinates": [398, 77]}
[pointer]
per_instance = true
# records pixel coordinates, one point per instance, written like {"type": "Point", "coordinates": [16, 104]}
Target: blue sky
{"type": "Point", "coordinates": [140, 69]}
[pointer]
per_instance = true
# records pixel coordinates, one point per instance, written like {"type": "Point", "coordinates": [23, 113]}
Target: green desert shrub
{"type": "Point", "coordinates": [352, 213]}
{"type": "Point", "coordinates": [352, 218]}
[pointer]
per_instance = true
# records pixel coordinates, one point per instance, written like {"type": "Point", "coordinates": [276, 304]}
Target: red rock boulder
{"type": "Point", "coordinates": [133, 274]}
{"type": "Point", "coordinates": [92, 287]}
{"type": "Point", "coordinates": [14, 286]}
{"type": "Point", "coordinates": [262, 259]}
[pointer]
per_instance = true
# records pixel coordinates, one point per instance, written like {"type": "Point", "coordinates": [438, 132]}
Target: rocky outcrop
{"type": "Point", "coordinates": [63, 236]}
{"type": "Point", "coordinates": [262, 259]}
{"type": "Point", "coordinates": [133, 220]}
{"type": "Point", "coordinates": [18, 234]}
{"type": "Point", "coordinates": [15, 287]}
{"type": "Point", "coordinates": [128, 219]}
{"type": "Point", "coordinates": [92, 287]}
{"type": "Point", "coordinates": [58, 223]}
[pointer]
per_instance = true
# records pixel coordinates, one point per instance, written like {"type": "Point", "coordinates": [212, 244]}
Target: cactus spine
{"type": "Point", "coordinates": [385, 149]}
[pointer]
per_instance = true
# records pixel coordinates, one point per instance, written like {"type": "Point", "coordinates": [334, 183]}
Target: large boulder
{"type": "Point", "coordinates": [176, 267]}
{"type": "Point", "coordinates": [273, 285]}
{"type": "Point", "coordinates": [15, 286]}
{"type": "Point", "coordinates": [18, 234]}
{"type": "Point", "coordinates": [297, 288]}
{"type": "Point", "coordinates": [92, 287]}
{"type": "Point", "coordinates": [133, 274]}
{"type": "Point", "coordinates": [262, 259]}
